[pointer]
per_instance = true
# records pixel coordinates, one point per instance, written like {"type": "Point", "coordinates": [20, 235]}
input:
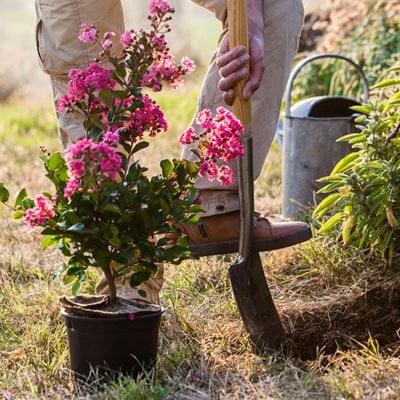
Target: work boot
{"type": "Point", "coordinates": [219, 234]}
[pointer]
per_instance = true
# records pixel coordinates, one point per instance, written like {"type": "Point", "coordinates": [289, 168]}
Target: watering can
{"type": "Point", "coordinates": [310, 130]}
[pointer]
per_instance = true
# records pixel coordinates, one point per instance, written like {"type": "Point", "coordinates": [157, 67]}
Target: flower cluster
{"type": "Point", "coordinates": [221, 139]}
{"type": "Point", "coordinates": [148, 117]}
{"type": "Point", "coordinates": [41, 212]}
{"type": "Point", "coordinates": [85, 82]}
{"type": "Point", "coordinates": [90, 163]}
{"type": "Point", "coordinates": [166, 70]}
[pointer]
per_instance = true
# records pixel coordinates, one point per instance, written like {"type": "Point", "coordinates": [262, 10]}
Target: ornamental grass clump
{"type": "Point", "coordinates": [364, 186]}
{"type": "Point", "coordinates": [104, 210]}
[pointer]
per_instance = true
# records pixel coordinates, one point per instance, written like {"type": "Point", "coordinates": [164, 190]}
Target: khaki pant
{"type": "Point", "coordinates": [57, 27]}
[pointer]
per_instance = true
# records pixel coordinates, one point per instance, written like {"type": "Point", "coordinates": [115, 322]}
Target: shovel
{"type": "Point", "coordinates": [249, 285]}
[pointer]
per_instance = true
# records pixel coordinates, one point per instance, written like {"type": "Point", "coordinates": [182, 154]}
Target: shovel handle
{"type": "Point", "coordinates": [238, 36]}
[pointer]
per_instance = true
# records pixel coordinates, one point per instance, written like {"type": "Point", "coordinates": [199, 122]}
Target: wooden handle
{"type": "Point", "coordinates": [238, 36]}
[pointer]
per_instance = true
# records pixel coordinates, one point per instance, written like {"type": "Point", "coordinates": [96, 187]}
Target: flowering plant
{"type": "Point", "coordinates": [105, 210]}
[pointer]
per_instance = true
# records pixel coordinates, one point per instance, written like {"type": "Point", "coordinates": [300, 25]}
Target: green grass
{"type": "Point", "coordinates": [204, 352]}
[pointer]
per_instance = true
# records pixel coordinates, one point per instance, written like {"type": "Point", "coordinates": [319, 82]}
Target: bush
{"type": "Point", "coordinates": [364, 186]}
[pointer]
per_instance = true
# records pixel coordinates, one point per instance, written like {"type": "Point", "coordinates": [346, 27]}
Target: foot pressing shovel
{"type": "Point", "coordinates": [249, 285]}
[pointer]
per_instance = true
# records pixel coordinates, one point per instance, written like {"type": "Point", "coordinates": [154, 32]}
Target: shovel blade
{"type": "Point", "coordinates": [255, 304]}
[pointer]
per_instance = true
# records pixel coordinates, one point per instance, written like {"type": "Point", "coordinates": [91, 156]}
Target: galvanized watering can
{"type": "Point", "coordinates": [310, 130]}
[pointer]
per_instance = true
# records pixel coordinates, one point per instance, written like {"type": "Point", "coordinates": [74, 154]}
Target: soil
{"type": "Point", "coordinates": [100, 306]}
{"type": "Point", "coordinates": [349, 323]}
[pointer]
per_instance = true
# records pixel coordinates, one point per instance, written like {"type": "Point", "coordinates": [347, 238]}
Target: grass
{"type": "Point", "coordinates": [204, 351]}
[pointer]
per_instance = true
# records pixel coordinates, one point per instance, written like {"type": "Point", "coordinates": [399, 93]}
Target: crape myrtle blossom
{"type": "Point", "coordinates": [165, 69]}
{"type": "Point", "coordinates": [219, 141]}
{"type": "Point", "coordinates": [41, 212]}
{"type": "Point", "coordinates": [88, 33]}
{"type": "Point", "coordinates": [83, 83]}
{"type": "Point", "coordinates": [147, 118]}
{"type": "Point", "coordinates": [159, 6]}
{"type": "Point", "coordinates": [126, 39]}
{"type": "Point", "coordinates": [91, 162]}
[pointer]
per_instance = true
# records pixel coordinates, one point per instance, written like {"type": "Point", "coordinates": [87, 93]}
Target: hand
{"type": "Point", "coordinates": [235, 65]}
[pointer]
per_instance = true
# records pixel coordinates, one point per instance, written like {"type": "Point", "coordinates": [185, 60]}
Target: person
{"type": "Point", "coordinates": [274, 31]}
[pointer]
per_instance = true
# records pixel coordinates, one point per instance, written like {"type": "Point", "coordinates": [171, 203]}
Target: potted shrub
{"type": "Point", "coordinates": [104, 211]}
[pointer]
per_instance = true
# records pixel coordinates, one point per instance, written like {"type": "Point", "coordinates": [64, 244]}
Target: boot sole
{"type": "Point", "coordinates": [259, 245]}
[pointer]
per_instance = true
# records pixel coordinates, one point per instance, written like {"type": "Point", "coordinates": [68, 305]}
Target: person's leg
{"type": "Point", "coordinates": [57, 28]}
{"type": "Point", "coordinates": [283, 23]}
{"type": "Point", "coordinates": [283, 20]}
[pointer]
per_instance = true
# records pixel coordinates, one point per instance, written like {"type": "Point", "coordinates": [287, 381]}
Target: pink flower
{"type": "Point", "coordinates": [40, 213]}
{"type": "Point", "coordinates": [208, 169]}
{"type": "Point", "coordinates": [165, 69]}
{"type": "Point", "coordinates": [131, 316]}
{"type": "Point", "coordinates": [148, 118]}
{"type": "Point", "coordinates": [89, 163]}
{"type": "Point", "coordinates": [71, 187]}
{"type": "Point", "coordinates": [159, 6]}
{"type": "Point", "coordinates": [106, 44]}
{"type": "Point", "coordinates": [112, 138]}
{"type": "Point", "coordinates": [188, 65]}
{"type": "Point", "coordinates": [88, 33]}
{"type": "Point", "coordinates": [187, 137]}
{"type": "Point", "coordinates": [225, 175]}
{"type": "Point", "coordinates": [126, 39]}
{"type": "Point", "coordinates": [83, 83]}
{"type": "Point", "coordinates": [220, 141]}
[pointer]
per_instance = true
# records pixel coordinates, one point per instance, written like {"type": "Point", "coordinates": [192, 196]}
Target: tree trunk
{"type": "Point", "coordinates": [110, 283]}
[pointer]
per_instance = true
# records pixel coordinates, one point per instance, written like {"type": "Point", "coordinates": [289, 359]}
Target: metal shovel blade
{"type": "Point", "coordinates": [255, 303]}
{"type": "Point", "coordinates": [249, 285]}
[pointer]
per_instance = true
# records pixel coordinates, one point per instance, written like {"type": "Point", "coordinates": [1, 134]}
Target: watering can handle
{"type": "Point", "coordinates": [288, 98]}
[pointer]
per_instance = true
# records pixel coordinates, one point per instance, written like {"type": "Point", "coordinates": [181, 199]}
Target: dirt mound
{"type": "Point", "coordinates": [349, 322]}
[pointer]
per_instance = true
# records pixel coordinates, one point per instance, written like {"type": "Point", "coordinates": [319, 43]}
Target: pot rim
{"type": "Point", "coordinates": [117, 317]}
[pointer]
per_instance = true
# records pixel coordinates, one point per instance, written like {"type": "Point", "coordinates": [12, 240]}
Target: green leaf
{"type": "Point", "coordinates": [326, 204]}
{"type": "Point", "coordinates": [386, 83]}
{"type": "Point", "coordinates": [345, 163]}
{"type": "Point", "coordinates": [76, 286]}
{"type": "Point", "coordinates": [55, 161]}
{"type": "Point", "coordinates": [139, 277]}
{"type": "Point", "coordinates": [67, 279]}
{"type": "Point", "coordinates": [167, 168]}
{"type": "Point", "coordinates": [79, 228]}
{"type": "Point", "coordinates": [18, 214]}
{"type": "Point", "coordinates": [394, 69]}
{"type": "Point", "coordinates": [331, 187]}
{"type": "Point", "coordinates": [27, 203]}
{"type": "Point", "coordinates": [4, 193]}
{"type": "Point", "coordinates": [350, 136]}
{"type": "Point", "coordinates": [365, 109]}
{"type": "Point", "coordinates": [20, 197]}
{"type": "Point", "coordinates": [112, 208]}
{"type": "Point", "coordinates": [331, 222]}
{"type": "Point", "coordinates": [107, 98]}
{"type": "Point", "coordinates": [140, 146]}
{"type": "Point", "coordinates": [142, 293]}
{"type": "Point", "coordinates": [49, 241]}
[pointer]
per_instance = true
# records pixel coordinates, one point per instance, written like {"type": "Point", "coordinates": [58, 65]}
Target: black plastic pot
{"type": "Point", "coordinates": [116, 344]}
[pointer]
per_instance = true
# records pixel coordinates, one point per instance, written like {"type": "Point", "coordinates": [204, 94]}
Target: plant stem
{"type": "Point", "coordinates": [110, 284]}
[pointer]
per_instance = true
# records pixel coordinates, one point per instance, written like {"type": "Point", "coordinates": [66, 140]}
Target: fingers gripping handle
{"type": "Point", "coordinates": [238, 36]}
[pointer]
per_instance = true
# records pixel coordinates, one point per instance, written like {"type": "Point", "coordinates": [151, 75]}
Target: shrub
{"type": "Point", "coordinates": [364, 186]}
